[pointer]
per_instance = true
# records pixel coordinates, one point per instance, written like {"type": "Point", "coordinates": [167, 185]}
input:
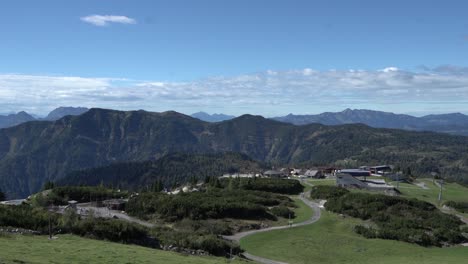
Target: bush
{"type": "Point", "coordinates": [61, 195]}
{"type": "Point", "coordinates": [282, 211]}
{"type": "Point", "coordinates": [462, 207]}
{"type": "Point", "coordinates": [367, 232]}
{"type": "Point", "coordinates": [283, 186]}
{"type": "Point", "coordinates": [326, 192]}
{"type": "Point", "coordinates": [214, 204]}
{"type": "Point", "coordinates": [398, 218]}
{"type": "Point", "coordinates": [24, 216]}
{"type": "Point", "coordinates": [114, 230]}
{"type": "Point", "coordinates": [195, 240]}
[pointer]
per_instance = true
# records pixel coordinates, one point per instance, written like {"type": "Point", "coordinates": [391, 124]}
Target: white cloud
{"type": "Point", "coordinates": [268, 93]}
{"type": "Point", "coordinates": [105, 20]}
{"type": "Point", "coordinates": [390, 69]}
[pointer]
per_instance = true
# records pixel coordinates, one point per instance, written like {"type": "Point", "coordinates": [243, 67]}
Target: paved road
{"type": "Point", "coordinates": [237, 237]}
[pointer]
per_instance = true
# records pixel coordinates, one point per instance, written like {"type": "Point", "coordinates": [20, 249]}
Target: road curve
{"type": "Point", "coordinates": [315, 217]}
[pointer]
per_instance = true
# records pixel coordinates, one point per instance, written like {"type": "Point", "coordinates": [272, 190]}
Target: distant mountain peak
{"type": "Point", "coordinates": [15, 119]}
{"type": "Point", "coordinates": [64, 111]}
{"type": "Point", "coordinates": [454, 123]}
{"type": "Point", "coordinates": [211, 118]}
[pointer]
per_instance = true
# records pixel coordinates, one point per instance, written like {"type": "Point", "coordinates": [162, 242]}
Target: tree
{"type": "Point", "coordinates": [2, 196]}
{"type": "Point", "coordinates": [48, 185]}
{"type": "Point", "coordinates": [157, 186]}
{"type": "Point", "coordinates": [408, 172]}
{"type": "Point", "coordinates": [69, 219]}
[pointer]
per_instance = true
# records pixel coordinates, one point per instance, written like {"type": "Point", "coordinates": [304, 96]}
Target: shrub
{"type": "Point", "coordinates": [367, 232]}
{"type": "Point", "coordinates": [24, 216]}
{"type": "Point", "coordinates": [113, 230]}
{"type": "Point", "coordinates": [282, 211]}
{"type": "Point", "coordinates": [398, 218]}
{"type": "Point", "coordinates": [283, 186]}
{"type": "Point", "coordinates": [462, 207]}
{"type": "Point", "coordinates": [214, 204]}
{"type": "Point", "coordinates": [326, 192]}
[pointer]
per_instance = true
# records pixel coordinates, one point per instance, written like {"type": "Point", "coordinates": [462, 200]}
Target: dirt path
{"type": "Point", "coordinates": [106, 213]}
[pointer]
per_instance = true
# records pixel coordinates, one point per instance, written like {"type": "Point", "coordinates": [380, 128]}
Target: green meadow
{"type": "Point", "coordinates": [74, 249]}
{"type": "Point", "coordinates": [332, 240]}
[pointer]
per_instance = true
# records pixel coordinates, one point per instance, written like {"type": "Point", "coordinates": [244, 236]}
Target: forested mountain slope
{"type": "Point", "coordinates": [37, 151]}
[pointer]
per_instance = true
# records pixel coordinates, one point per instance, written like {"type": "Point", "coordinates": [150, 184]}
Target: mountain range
{"type": "Point", "coordinates": [15, 119]}
{"type": "Point", "coordinates": [22, 117]}
{"type": "Point", "coordinates": [39, 151]}
{"type": "Point", "coordinates": [454, 123]}
{"type": "Point", "coordinates": [211, 118]}
{"type": "Point", "coordinates": [60, 112]}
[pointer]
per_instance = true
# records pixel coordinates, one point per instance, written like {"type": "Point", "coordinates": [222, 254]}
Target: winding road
{"type": "Point", "coordinates": [315, 217]}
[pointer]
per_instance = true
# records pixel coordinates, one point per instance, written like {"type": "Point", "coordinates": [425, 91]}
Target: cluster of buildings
{"type": "Point", "coordinates": [301, 173]}
{"type": "Point", "coordinates": [368, 177]}
{"type": "Point", "coordinates": [364, 177]}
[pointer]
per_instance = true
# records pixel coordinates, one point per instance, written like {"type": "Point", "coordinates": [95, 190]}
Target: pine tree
{"type": "Point", "coordinates": [48, 185]}
{"type": "Point", "coordinates": [2, 196]}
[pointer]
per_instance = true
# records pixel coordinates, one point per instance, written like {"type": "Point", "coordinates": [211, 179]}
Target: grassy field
{"type": "Point", "coordinates": [302, 212]}
{"type": "Point", "coordinates": [332, 240]}
{"type": "Point", "coordinates": [450, 191]}
{"type": "Point", "coordinates": [74, 249]}
{"type": "Point", "coordinates": [322, 181]}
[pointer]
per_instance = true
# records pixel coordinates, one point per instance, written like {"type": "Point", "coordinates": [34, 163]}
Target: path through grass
{"type": "Point", "coordinates": [332, 240]}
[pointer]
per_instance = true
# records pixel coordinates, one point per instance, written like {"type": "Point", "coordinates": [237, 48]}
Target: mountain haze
{"type": "Point", "coordinates": [23, 117]}
{"type": "Point", "coordinates": [15, 119]}
{"type": "Point", "coordinates": [64, 111]}
{"type": "Point", "coordinates": [211, 118]}
{"type": "Point", "coordinates": [35, 152]}
{"type": "Point", "coordinates": [455, 123]}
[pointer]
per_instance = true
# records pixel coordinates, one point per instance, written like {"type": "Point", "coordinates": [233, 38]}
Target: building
{"type": "Point", "coordinates": [356, 172]}
{"type": "Point", "coordinates": [381, 169]}
{"type": "Point", "coordinates": [328, 170]}
{"type": "Point", "coordinates": [296, 172]}
{"type": "Point", "coordinates": [274, 174]}
{"type": "Point", "coordinates": [314, 174]}
{"type": "Point", "coordinates": [72, 204]}
{"type": "Point", "coordinates": [115, 204]}
{"type": "Point", "coordinates": [348, 181]}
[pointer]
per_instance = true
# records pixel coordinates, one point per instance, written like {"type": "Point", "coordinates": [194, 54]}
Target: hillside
{"type": "Point", "coordinates": [455, 123]}
{"type": "Point", "coordinates": [74, 249]}
{"type": "Point", "coordinates": [168, 170]}
{"type": "Point", "coordinates": [35, 152]}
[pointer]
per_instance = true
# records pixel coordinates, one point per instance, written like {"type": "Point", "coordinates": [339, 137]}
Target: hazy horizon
{"type": "Point", "coordinates": [43, 115]}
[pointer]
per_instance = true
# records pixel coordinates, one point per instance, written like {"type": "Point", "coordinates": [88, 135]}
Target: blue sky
{"type": "Point", "coordinates": [265, 57]}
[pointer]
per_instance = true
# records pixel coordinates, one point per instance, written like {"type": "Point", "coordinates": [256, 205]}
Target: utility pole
{"type": "Point", "coordinates": [440, 190]}
{"type": "Point", "coordinates": [397, 180]}
{"type": "Point", "coordinates": [50, 227]}
{"type": "Point", "coordinates": [50, 221]}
